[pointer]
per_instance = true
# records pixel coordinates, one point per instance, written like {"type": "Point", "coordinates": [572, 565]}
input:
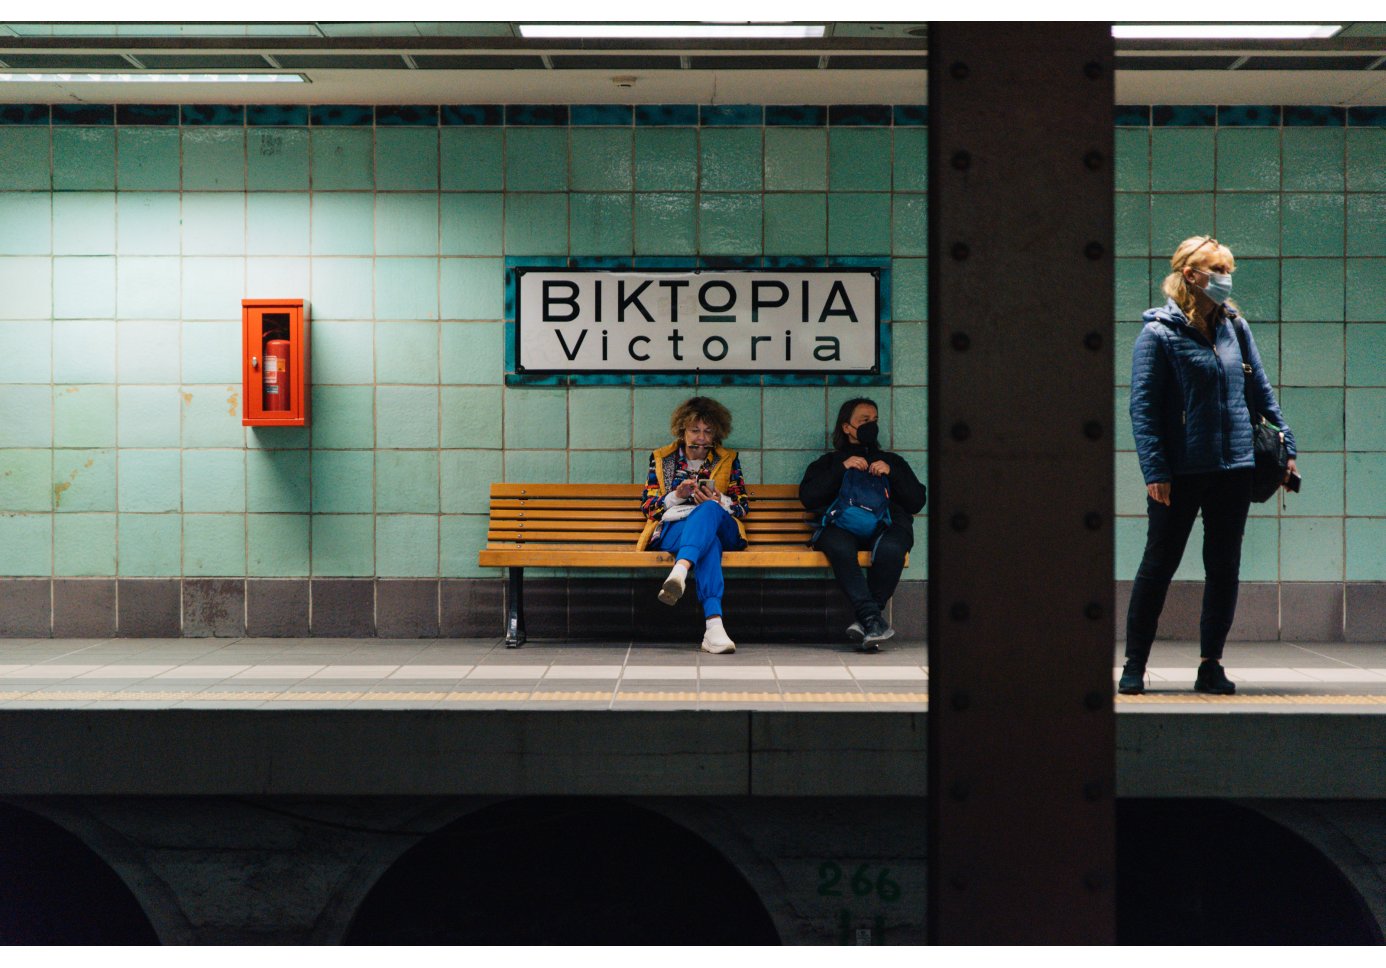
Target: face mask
{"type": "Point", "coordinates": [868, 434]}
{"type": "Point", "coordinates": [1219, 287]}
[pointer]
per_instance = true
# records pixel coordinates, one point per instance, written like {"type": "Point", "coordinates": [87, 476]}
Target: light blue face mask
{"type": "Point", "coordinates": [1219, 288]}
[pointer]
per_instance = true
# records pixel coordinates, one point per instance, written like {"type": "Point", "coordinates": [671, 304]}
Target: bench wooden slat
{"type": "Point", "coordinates": [623, 514]}
{"type": "Point", "coordinates": [511, 490]}
{"type": "Point", "coordinates": [581, 556]}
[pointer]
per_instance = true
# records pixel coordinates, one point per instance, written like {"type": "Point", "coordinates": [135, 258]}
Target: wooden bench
{"type": "Point", "coordinates": [597, 526]}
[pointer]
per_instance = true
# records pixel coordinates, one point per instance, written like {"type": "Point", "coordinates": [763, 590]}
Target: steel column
{"type": "Point", "coordinates": [1021, 725]}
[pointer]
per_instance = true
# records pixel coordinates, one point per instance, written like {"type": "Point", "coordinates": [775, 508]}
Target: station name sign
{"type": "Point", "coordinates": [679, 320]}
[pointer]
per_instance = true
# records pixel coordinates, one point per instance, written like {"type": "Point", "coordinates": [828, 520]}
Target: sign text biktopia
{"type": "Point", "coordinates": [650, 320]}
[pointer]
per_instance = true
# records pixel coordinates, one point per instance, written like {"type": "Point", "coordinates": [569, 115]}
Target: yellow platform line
{"type": "Point", "coordinates": [716, 696]}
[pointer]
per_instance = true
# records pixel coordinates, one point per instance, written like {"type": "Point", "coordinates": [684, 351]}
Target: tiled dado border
{"type": "Point", "coordinates": [617, 609]}
{"type": "Point", "coordinates": [431, 115]}
{"type": "Point", "coordinates": [640, 115]}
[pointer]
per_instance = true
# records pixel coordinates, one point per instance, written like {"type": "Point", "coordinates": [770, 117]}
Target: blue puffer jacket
{"type": "Point", "coordinates": [1188, 399]}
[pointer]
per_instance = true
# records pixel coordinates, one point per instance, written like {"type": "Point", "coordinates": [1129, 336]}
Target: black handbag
{"type": "Point", "coordinates": [1267, 439]}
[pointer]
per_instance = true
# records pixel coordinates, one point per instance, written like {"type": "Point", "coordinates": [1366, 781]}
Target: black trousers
{"type": "Point", "coordinates": [1224, 499]}
{"type": "Point", "coordinates": [867, 593]}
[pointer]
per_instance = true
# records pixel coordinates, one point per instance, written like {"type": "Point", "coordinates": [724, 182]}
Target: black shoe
{"type": "Point", "coordinates": [1212, 679]}
{"type": "Point", "coordinates": [1132, 678]}
{"type": "Point", "coordinates": [877, 631]}
{"type": "Point", "coordinates": [856, 632]}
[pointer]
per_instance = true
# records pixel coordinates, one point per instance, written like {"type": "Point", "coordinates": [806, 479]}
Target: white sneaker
{"type": "Point", "coordinates": [672, 590]}
{"type": "Point", "coordinates": [716, 640]}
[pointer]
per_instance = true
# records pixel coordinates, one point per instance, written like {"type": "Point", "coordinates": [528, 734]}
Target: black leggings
{"type": "Point", "coordinates": [868, 593]}
{"type": "Point", "coordinates": [1224, 498]}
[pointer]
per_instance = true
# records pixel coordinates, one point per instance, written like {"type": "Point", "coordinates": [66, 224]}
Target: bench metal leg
{"type": "Point", "coordinates": [515, 609]}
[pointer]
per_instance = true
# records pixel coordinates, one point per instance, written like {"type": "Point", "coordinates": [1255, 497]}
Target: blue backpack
{"type": "Point", "coordinates": [862, 506]}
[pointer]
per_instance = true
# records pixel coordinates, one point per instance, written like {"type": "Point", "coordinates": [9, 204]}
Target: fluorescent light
{"type": "Point", "coordinates": [661, 31]}
{"type": "Point", "coordinates": [1224, 31]}
{"type": "Point", "coordinates": [52, 78]}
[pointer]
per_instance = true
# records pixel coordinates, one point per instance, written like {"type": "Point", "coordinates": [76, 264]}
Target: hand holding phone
{"type": "Point", "coordinates": [1293, 482]}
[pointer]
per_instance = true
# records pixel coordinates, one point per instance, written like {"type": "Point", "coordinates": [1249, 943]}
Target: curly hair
{"type": "Point", "coordinates": [709, 411]}
{"type": "Point", "coordinates": [1196, 252]}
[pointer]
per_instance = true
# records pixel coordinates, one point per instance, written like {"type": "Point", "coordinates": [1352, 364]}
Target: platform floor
{"type": "Point", "coordinates": [481, 673]}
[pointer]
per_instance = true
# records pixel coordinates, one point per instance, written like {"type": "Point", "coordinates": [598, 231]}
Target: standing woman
{"type": "Point", "coordinates": [695, 500]}
{"type": "Point", "coordinates": [1193, 437]}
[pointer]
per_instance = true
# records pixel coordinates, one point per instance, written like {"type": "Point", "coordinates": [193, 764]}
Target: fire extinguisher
{"type": "Point", "coordinates": [277, 374]}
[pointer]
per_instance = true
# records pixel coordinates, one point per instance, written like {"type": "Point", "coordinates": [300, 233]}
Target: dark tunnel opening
{"type": "Point", "coordinates": [54, 889]}
{"type": "Point", "coordinates": [1207, 872]}
{"type": "Point", "coordinates": [562, 871]}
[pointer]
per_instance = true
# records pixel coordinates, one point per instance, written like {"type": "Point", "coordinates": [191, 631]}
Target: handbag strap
{"type": "Point", "coordinates": [1238, 327]}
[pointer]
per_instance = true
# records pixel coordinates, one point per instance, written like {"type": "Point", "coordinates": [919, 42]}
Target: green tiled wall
{"type": "Point", "coordinates": [1302, 208]}
{"type": "Point", "coordinates": [125, 251]}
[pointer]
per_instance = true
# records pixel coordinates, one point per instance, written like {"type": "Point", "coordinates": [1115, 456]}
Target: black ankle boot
{"type": "Point", "coordinates": [1212, 679]}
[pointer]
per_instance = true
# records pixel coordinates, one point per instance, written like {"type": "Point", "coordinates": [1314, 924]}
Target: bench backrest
{"type": "Point", "coordinates": [569, 517]}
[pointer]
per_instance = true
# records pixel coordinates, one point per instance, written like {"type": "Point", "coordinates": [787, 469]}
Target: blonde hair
{"type": "Point", "coordinates": [709, 411]}
{"type": "Point", "coordinates": [1194, 253]}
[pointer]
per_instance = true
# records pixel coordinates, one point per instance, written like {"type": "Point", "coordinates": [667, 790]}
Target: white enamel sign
{"type": "Point", "coordinates": [675, 321]}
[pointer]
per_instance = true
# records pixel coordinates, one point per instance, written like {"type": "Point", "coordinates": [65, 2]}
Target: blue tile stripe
{"type": "Point", "coordinates": [814, 116]}
{"type": "Point", "coordinates": [621, 115]}
{"type": "Point", "coordinates": [463, 114]}
{"type": "Point", "coordinates": [857, 115]}
{"type": "Point", "coordinates": [1132, 115]}
{"type": "Point", "coordinates": [228, 115]}
{"type": "Point", "coordinates": [741, 115]}
{"type": "Point", "coordinates": [547, 115]}
{"type": "Point", "coordinates": [412, 115]}
{"type": "Point", "coordinates": [1183, 115]}
{"type": "Point", "coordinates": [1297, 115]}
{"type": "Point", "coordinates": [83, 114]}
{"type": "Point", "coordinates": [1367, 117]}
{"type": "Point", "coordinates": [147, 114]}
{"type": "Point", "coordinates": [24, 113]}
{"type": "Point", "coordinates": [1249, 116]}
{"type": "Point", "coordinates": [341, 115]}
{"type": "Point", "coordinates": [276, 115]}
{"type": "Point", "coordinates": [582, 115]}
{"type": "Point", "coordinates": [683, 115]}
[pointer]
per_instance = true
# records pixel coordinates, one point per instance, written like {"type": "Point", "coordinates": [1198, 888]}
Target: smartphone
{"type": "Point", "coordinates": [1294, 482]}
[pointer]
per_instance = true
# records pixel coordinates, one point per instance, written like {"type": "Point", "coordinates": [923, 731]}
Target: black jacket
{"type": "Point", "coordinates": [823, 480]}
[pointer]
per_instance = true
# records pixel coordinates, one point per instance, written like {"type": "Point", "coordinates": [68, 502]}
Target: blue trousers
{"type": "Point", "coordinates": [701, 538]}
{"type": "Point", "coordinates": [1224, 499]}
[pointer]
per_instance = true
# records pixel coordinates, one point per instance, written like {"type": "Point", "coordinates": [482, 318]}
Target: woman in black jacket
{"type": "Point", "coordinates": [855, 437]}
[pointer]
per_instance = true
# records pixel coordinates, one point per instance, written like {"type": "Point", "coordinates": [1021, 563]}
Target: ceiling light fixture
{"type": "Point", "coordinates": [1224, 31]}
{"type": "Point", "coordinates": [664, 31]}
{"type": "Point", "coordinates": [55, 78]}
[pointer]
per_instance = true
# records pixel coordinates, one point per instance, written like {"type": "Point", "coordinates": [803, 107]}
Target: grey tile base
{"type": "Point", "coordinates": [757, 609]}
{"type": "Point", "coordinates": [1311, 612]}
{"type": "Point", "coordinates": [276, 607]}
{"type": "Point", "coordinates": [84, 608]}
{"type": "Point", "coordinates": [406, 608]}
{"type": "Point", "coordinates": [26, 607]}
{"type": "Point", "coordinates": [1366, 612]}
{"type": "Point", "coordinates": [343, 607]}
{"type": "Point", "coordinates": [471, 607]}
{"type": "Point", "coordinates": [214, 606]}
{"type": "Point", "coordinates": [149, 607]}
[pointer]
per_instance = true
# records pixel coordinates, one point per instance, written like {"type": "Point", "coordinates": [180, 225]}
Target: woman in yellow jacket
{"type": "Point", "coordinates": [695, 500]}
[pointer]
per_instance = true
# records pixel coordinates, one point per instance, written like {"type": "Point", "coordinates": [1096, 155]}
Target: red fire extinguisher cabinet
{"type": "Point", "coordinates": [274, 363]}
